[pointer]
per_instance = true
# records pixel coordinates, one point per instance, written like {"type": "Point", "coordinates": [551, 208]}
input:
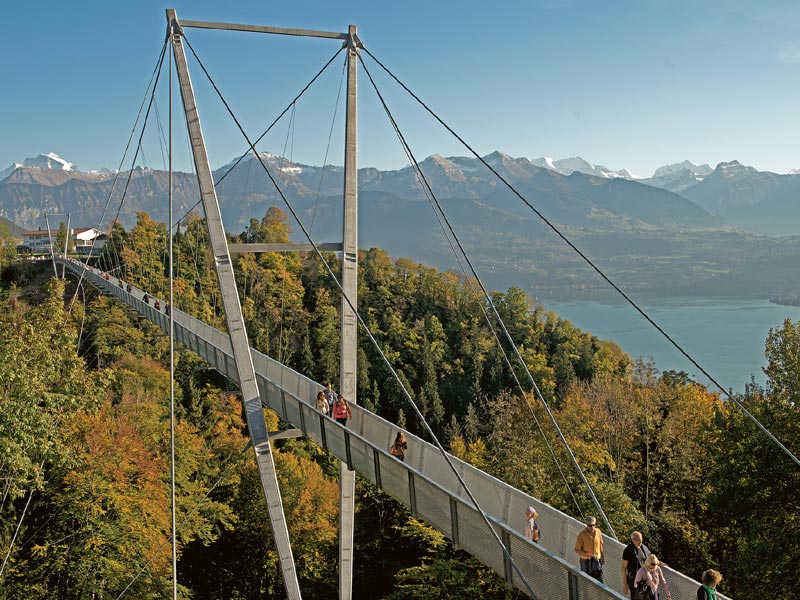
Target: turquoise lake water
{"type": "Point", "coordinates": [725, 336]}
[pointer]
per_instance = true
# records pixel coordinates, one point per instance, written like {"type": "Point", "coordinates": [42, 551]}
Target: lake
{"type": "Point", "coordinates": [724, 335]}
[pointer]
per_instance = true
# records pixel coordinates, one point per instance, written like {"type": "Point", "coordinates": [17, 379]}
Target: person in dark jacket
{"type": "Point", "coordinates": [710, 579]}
{"type": "Point", "coordinates": [633, 557]}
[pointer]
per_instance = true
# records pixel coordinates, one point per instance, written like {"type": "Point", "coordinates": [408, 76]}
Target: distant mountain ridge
{"type": "Point", "coordinates": [757, 200]}
{"type": "Point", "coordinates": [570, 191]}
{"type": "Point", "coordinates": [577, 199]}
{"type": "Point", "coordinates": [644, 236]}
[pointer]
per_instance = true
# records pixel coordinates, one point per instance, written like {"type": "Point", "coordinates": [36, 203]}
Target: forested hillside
{"type": "Point", "coordinates": [85, 445]}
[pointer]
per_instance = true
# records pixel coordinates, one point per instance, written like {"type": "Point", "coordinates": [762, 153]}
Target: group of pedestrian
{"type": "Point", "coordinates": [642, 576]}
{"type": "Point", "coordinates": [334, 405]}
{"type": "Point", "coordinates": [328, 402]}
{"type": "Point", "coordinates": [156, 303]}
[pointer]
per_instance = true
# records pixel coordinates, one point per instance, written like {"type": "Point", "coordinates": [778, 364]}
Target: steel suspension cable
{"type": "Point", "coordinates": [494, 309]}
{"type": "Point", "coordinates": [170, 303]}
{"type": "Point", "coordinates": [233, 462]}
{"type": "Point", "coordinates": [366, 329]}
{"type": "Point", "coordinates": [328, 147]}
{"type": "Point", "coordinates": [154, 84]}
{"type": "Point", "coordinates": [588, 261]}
{"type": "Point", "coordinates": [271, 125]}
{"type": "Point", "coordinates": [492, 329]}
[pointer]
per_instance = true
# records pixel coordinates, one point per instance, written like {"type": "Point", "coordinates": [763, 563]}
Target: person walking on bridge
{"type": "Point", "coordinates": [589, 546]}
{"type": "Point", "coordinates": [341, 411]}
{"type": "Point", "coordinates": [330, 396]}
{"type": "Point", "coordinates": [651, 575]}
{"type": "Point", "coordinates": [398, 449]}
{"type": "Point", "coordinates": [531, 526]}
{"type": "Point", "coordinates": [633, 557]}
{"type": "Point", "coordinates": [322, 403]}
{"type": "Point", "coordinates": [710, 579]}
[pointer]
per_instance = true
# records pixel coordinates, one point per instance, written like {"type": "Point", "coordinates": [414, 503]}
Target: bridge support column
{"type": "Point", "coordinates": [349, 329]}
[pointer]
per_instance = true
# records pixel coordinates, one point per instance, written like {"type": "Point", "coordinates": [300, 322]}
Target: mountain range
{"type": "Point", "coordinates": [613, 214]}
{"type": "Point", "coordinates": [569, 191]}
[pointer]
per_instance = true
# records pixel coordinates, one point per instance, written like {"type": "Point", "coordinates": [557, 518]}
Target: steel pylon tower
{"type": "Point", "coordinates": [233, 310]}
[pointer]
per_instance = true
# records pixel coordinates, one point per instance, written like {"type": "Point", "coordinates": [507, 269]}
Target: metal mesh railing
{"type": "Point", "coordinates": [424, 483]}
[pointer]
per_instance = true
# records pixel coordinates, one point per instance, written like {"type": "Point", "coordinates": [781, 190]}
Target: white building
{"type": "Point", "coordinates": [88, 239]}
{"type": "Point", "coordinates": [38, 242]}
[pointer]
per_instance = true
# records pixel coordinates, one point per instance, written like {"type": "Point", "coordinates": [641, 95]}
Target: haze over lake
{"type": "Point", "coordinates": [724, 335]}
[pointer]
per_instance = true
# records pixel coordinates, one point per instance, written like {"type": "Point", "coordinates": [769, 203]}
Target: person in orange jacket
{"type": "Point", "coordinates": [341, 411]}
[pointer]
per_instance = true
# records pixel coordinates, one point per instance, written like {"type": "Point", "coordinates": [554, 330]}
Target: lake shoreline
{"type": "Point", "coordinates": [725, 335]}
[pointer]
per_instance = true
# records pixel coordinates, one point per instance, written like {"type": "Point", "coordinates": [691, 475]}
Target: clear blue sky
{"type": "Point", "coordinates": [634, 84]}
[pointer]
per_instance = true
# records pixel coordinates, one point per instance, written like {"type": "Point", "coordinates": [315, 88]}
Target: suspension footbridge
{"type": "Point", "coordinates": [480, 514]}
{"type": "Point", "coordinates": [423, 483]}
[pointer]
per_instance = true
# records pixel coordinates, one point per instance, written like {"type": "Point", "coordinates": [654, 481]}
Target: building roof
{"type": "Point", "coordinates": [40, 232]}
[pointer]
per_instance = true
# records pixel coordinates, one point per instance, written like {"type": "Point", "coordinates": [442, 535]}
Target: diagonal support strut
{"type": "Point", "coordinates": [235, 321]}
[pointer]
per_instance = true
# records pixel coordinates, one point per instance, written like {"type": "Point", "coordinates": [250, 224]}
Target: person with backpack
{"type": "Point", "coordinates": [633, 557]}
{"type": "Point", "coordinates": [398, 449]}
{"type": "Point", "coordinates": [341, 411]}
{"type": "Point", "coordinates": [650, 580]}
{"type": "Point", "coordinates": [710, 579]}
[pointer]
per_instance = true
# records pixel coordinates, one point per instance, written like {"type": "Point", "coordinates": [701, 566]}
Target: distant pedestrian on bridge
{"type": "Point", "coordinates": [633, 557]}
{"type": "Point", "coordinates": [398, 449]}
{"type": "Point", "coordinates": [341, 411]}
{"type": "Point", "coordinates": [710, 579]}
{"type": "Point", "coordinates": [322, 403]}
{"type": "Point", "coordinates": [330, 396]}
{"type": "Point", "coordinates": [532, 527]}
{"type": "Point", "coordinates": [589, 546]}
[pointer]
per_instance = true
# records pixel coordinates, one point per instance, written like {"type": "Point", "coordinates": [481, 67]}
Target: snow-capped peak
{"type": "Point", "coordinates": [6, 172]}
{"type": "Point", "coordinates": [699, 170]}
{"type": "Point", "coordinates": [734, 170]}
{"type": "Point", "coordinates": [51, 161]}
{"type": "Point", "coordinates": [280, 162]}
{"type": "Point", "coordinates": [602, 171]}
{"type": "Point", "coordinates": [567, 166]}
{"type": "Point", "coordinates": [545, 162]}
